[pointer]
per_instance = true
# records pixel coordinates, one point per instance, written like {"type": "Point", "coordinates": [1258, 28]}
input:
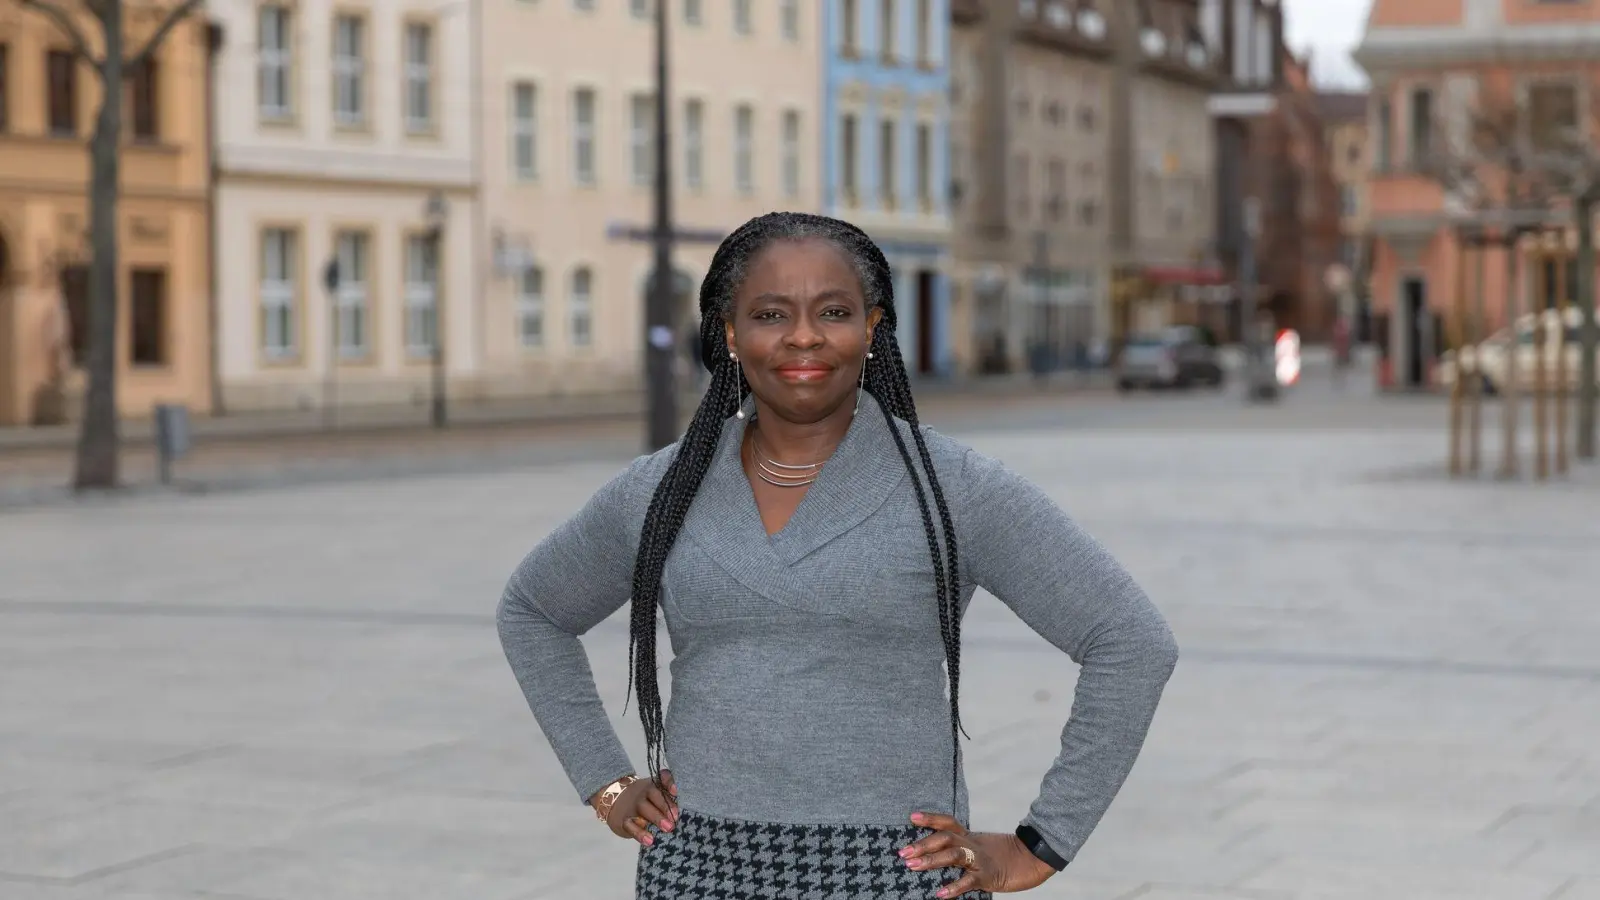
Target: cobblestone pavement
{"type": "Point", "coordinates": [1389, 687]}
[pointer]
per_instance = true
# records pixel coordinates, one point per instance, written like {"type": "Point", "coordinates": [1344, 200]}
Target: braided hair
{"type": "Point", "coordinates": [884, 380]}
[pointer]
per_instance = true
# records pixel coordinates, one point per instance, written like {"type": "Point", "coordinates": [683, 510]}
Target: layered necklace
{"type": "Point", "coordinates": [779, 474]}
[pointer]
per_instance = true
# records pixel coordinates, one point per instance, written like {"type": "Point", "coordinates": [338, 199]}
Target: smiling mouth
{"type": "Point", "coordinates": [804, 373]}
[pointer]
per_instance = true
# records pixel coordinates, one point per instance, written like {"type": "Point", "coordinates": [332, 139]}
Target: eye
{"type": "Point", "coordinates": [837, 312]}
{"type": "Point", "coordinates": [767, 314]}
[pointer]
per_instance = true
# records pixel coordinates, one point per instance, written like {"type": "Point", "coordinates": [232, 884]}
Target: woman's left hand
{"type": "Point", "coordinates": [1001, 863]}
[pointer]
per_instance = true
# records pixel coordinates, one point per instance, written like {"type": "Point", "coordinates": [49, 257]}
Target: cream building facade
{"type": "Point", "coordinates": [338, 124]}
{"type": "Point", "coordinates": [568, 165]}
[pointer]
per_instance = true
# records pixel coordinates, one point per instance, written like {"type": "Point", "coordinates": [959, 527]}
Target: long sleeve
{"type": "Point", "coordinates": [1018, 544]}
{"type": "Point", "coordinates": [575, 578]}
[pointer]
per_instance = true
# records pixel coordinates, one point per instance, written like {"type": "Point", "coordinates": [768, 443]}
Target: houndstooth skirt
{"type": "Point", "coordinates": [712, 858]}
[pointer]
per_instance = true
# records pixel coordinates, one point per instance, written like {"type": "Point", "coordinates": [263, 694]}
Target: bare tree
{"type": "Point", "coordinates": [88, 25]}
{"type": "Point", "coordinates": [1499, 188]}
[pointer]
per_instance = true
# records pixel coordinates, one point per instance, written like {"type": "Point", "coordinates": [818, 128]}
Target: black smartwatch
{"type": "Point", "coordinates": [1034, 841]}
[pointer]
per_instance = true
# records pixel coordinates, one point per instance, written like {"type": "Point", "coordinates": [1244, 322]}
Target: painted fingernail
{"type": "Point", "coordinates": [942, 892]}
{"type": "Point", "coordinates": [905, 852]}
{"type": "Point", "coordinates": [917, 817]}
{"type": "Point", "coordinates": [648, 840]}
{"type": "Point", "coordinates": [666, 825]}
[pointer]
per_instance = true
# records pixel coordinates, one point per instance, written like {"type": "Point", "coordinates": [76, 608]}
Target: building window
{"type": "Point", "coordinates": [744, 137]}
{"type": "Point", "coordinates": [693, 12]}
{"type": "Point", "coordinates": [583, 5]}
{"type": "Point", "coordinates": [789, 19]}
{"type": "Point", "coordinates": [1347, 199]}
{"type": "Point", "coordinates": [1021, 168]}
{"type": "Point", "coordinates": [1421, 126]}
{"type": "Point", "coordinates": [924, 172]}
{"type": "Point", "coordinates": [925, 55]}
{"type": "Point", "coordinates": [1383, 138]}
{"type": "Point", "coordinates": [741, 17]}
{"type": "Point", "coordinates": [144, 101]}
{"type": "Point", "coordinates": [791, 153]}
{"type": "Point", "coordinates": [1055, 188]}
{"type": "Point", "coordinates": [887, 15]}
{"type": "Point", "coordinates": [274, 63]}
{"type": "Point", "coordinates": [849, 148]}
{"type": "Point", "coordinates": [583, 135]}
{"type": "Point", "coordinates": [887, 177]}
{"type": "Point", "coordinates": [1552, 114]}
{"type": "Point", "coordinates": [419, 77]}
{"type": "Point", "coordinates": [62, 72]}
{"type": "Point", "coordinates": [351, 311]}
{"type": "Point", "coordinates": [849, 28]}
{"type": "Point", "coordinates": [525, 130]}
{"type": "Point", "coordinates": [639, 8]}
{"type": "Point", "coordinates": [279, 277]}
{"type": "Point", "coordinates": [5, 69]}
{"type": "Point", "coordinates": [349, 71]}
{"type": "Point", "coordinates": [580, 307]}
{"type": "Point", "coordinates": [694, 136]}
{"type": "Point", "coordinates": [75, 293]}
{"type": "Point", "coordinates": [422, 295]}
{"type": "Point", "coordinates": [530, 307]}
{"type": "Point", "coordinates": [148, 308]}
{"type": "Point", "coordinates": [640, 134]}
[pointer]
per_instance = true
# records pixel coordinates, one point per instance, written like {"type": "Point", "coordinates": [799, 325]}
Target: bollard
{"type": "Point", "coordinates": [172, 437]}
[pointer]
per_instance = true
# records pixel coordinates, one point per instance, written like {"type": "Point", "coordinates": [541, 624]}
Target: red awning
{"type": "Point", "coordinates": [1176, 275]}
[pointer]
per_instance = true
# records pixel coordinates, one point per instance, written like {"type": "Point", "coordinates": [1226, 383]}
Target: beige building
{"type": "Point", "coordinates": [1031, 209]}
{"type": "Point", "coordinates": [48, 102]}
{"type": "Point", "coordinates": [338, 125]}
{"type": "Point", "coordinates": [1344, 118]}
{"type": "Point", "coordinates": [568, 164]}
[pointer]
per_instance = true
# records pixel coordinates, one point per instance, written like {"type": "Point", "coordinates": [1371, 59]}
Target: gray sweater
{"type": "Point", "coordinates": [807, 667]}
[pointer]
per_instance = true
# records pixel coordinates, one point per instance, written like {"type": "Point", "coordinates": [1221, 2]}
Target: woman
{"type": "Point", "coordinates": [812, 549]}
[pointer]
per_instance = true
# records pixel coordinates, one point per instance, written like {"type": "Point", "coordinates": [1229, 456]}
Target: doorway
{"type": "Point", "coordinates": [1414, 315]}
{"type": "Point", "coordinates": [926, 306]}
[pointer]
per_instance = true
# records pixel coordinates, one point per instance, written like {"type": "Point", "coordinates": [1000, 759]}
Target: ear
{"type": "Point", "coordinates": [874, 316]}
{"type": "Point", "coordinates": [727, 330]}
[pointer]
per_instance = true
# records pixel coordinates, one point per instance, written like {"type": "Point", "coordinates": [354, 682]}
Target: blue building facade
{"type": "Point", "coordinates": [886, 125]}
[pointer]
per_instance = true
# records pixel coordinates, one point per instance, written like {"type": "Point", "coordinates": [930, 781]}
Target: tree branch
{"type": "Point", "coordinates": [64, 21]}
{"type": "Point", "coordinates": [174, 16]}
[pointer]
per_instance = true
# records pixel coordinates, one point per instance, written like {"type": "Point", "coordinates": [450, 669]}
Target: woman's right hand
{"type": "Point", "coordinates": [643, 804]}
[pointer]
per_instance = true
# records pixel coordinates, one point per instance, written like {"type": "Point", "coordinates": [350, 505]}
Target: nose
{"type": "Point", "coordinates": [805, 335]}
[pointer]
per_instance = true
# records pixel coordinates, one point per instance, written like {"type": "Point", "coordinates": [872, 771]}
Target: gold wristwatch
{"type": "Point", "coordinates": [607, 798]}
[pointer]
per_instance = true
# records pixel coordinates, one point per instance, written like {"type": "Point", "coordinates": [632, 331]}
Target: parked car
{"type": "Point", "coordinates": [1178, 357]}
{"type": "Point", "coordinates": [1492, 355]}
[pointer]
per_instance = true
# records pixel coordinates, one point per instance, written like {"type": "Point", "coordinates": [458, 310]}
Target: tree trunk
{"type": "Point", "coordinates": [1516, 283]}
{"type": "Point", "coordinates": [98, 442]}
{"type": "Point", "coordinates": [1589, 334]}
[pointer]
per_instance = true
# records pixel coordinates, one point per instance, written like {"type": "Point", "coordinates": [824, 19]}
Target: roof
{"type": "Point", "coordinates": [1342, 106]}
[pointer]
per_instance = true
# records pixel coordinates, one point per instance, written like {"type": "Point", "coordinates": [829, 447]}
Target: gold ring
{"type": "Point", "coordinates": [968, 858]}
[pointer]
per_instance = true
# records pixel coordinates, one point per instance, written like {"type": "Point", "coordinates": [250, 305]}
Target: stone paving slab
{"type": "Point", "coordinates": [1388, 689]}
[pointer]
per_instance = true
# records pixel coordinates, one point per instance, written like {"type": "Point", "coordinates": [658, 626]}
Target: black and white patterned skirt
{"type": "Point", "coordinates": [712, 858]}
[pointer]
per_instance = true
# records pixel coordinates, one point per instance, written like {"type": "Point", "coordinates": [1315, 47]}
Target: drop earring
{"type": "Point", "coordinates": [860, 388]}
{"type": "Point", "coordinates": [738, 381]}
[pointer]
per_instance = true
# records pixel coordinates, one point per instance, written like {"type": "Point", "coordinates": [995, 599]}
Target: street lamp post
{"type": "Point", "coordinates": [660, 335]}
{"type": "Point", "coordinates": [1260, 382]}
{"type": "Point", "coordinates": [437, 211]}
{"type": "Point", "coordinates": [330, 283]}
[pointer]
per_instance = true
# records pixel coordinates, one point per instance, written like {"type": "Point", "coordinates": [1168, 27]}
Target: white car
{"type": "Point", "coordinates": [1493, 356]}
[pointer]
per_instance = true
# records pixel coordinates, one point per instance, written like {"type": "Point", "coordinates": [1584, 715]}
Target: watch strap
{"type": "Point", "coordinates": [1036, 844]}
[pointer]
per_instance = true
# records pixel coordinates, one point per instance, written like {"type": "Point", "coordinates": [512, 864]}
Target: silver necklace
{"type": "Point", "coordinates": [779, 474]}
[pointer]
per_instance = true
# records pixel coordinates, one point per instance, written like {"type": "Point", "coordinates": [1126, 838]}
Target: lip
{"type": "Point", "coordinates": [804, 371]}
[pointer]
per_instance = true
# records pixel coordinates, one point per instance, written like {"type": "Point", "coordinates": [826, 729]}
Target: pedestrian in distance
{"type": "Point", "coordinates": [813, 548]}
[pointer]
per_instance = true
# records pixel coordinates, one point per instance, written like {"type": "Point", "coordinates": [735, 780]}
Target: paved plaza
{"type": "Point", "coordinates": [1389, 686]}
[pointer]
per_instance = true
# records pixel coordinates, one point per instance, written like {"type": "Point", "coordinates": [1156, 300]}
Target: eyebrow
{"type": "Point", "coordinates": [773, 296]}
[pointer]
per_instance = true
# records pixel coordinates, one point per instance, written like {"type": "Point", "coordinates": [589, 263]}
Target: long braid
{"type": "Point", "coordinates": [888, 385]}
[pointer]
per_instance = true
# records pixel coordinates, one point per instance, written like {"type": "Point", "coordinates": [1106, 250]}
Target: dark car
{"type": "Point", "coordinates": [1181, 356]}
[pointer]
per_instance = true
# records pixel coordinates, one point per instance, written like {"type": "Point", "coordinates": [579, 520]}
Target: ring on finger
{"type": "Point", "coordinates": [969, 859]}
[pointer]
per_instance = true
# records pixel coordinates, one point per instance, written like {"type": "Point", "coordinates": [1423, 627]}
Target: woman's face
{"type": "Point", "coordinates": [800, 328]}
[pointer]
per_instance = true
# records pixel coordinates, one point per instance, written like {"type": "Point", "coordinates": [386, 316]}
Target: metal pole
{"type": "Point", "coordinates": [660, 336]}
{"type": "Point", "coordinates": [330, 282]}
{"type": "Point", "coordinates": [441, 412]}
{"type": "Point", "coordinates": [1588, 331]}
{"type": "Point", "coordinates": [1247, 298]}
